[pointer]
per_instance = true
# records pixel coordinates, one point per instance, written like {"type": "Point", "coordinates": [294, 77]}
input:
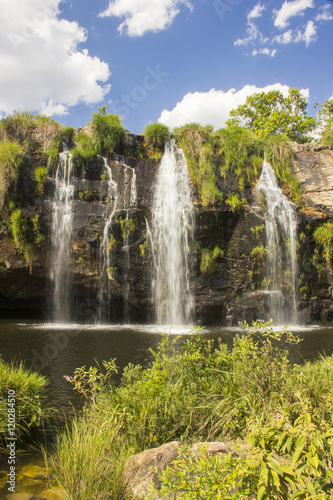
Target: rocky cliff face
{"type": "Point", "coordinates": [231, 291]}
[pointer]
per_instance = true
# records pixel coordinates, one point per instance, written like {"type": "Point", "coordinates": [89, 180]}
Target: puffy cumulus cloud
{"type": "Point", "coordinates": [141, 16]}
{"type": "Point", "coordinates": [324, 13]}
{"type": "Point", "coordinates": [289, 10]}
{"type": "Point", "coordinates": [213, 107]}
{"type": "Point", "coordinates": [43, 68]}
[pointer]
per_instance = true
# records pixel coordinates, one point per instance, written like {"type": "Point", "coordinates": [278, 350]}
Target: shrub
{"type": "Point", "coordinates": [85, 149]}
{"type": "Point", "coordinates": [323, 237]}
{"type": "Point", "coordinates": [156, 134]}
{"type": "Point", "coordinates": [197, 143]}
{"type": "Point", "coordinates": [107, 132]}
{"type": "Point", "coordinates": [39, 176]}
{"type": "Point", "coordinates": [235, 203]}
{"type": "Point", "coordinates": [259, 253]}
{"type": "Point", "coordinates": [209, 259]}
{"type": "Point", "coordinates": [26, 234]}
{"type": "Point", "coordinates": [10, 159]}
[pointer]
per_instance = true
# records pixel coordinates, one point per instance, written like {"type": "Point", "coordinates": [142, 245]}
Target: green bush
{"type": "Point", "coordinates": [323, 252]}
{"type": "Point", "coordinates": [156, 134]}
{"type": "Point", "coordinates": [26, 234]}
{"type": "Point", "coordinates": [30, 399]}
{"type": "Point", "coordinates": [10, 159]}
{"type": "Point", "coordinates": [198, 144]}
{"type": "Point", "coordinates": [39, 176]}
{"type": "Point", "coordinates": [107, 132]}
{"type": "Point", "coordinates": [209, 260]}
{"type": "Point", "coordinates": [235, 203]}
{"type": "Point", "coordinates": [85, 149]}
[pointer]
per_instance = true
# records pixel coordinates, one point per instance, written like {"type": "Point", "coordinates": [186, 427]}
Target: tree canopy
{"type": "Point", "coordinates": [268, 113]}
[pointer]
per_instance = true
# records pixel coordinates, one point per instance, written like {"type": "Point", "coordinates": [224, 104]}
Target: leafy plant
{"type": "Point", "coordinates": [26, 234]}
{"type": "Point", "coordinates": [235, 203]}
{"type": "Point", "coordinates": [39, 176]}
{"type": "Point", "coordinates": [85, 149]}
{"type": "Point", "coordinates": [107, 132]}
{"type": "Point", "coordinates": [10, 159]}
{"type": "Point", "coordinates": [268, 113]}
{"type": "Point", "coordinates": [323, 237]}
{"type": "Point", "coordinates": [209, 259]}
{"type": "Point", "coordinates": [156, 134]}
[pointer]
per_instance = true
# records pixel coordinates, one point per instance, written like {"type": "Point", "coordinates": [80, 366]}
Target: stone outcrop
{"type": "Point", "coordinates": [233, 292]}
{"type": "Point", "coordinates": [142, 470]}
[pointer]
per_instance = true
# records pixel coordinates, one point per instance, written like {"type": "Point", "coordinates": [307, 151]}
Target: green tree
{"type": "Point", "coordinates": [326, 121]}
{"type": "Point", "coordinates": [269, 113]}
{"type": "Point", "coordinates": [107, 131]}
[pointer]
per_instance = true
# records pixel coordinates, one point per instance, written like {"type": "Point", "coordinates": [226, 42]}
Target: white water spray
{"type": "Point", "coordinates": [61, 235]}
{"type": "Point", "coordinates": [281, 241]}
{"type": "Point", "coordinates": [172, 229]}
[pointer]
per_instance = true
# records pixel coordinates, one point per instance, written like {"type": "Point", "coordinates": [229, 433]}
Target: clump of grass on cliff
{"type": "Point", "coordinates": [30, 399]}
{"type": "Point", "coordinates": [197, 143]}
{"type": "Point", "coordinates": [205, 391]}
{"type": "Point", "coordinates": [26, 233]}
{"type": "Point", "coordinates": [10, 159]}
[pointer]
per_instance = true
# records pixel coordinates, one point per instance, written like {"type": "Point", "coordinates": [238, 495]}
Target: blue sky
{"type": "Point", "coordinates": [176, 61]}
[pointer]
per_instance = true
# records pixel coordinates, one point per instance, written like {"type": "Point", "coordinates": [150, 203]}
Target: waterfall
{"type": "Point", "coordinates": [116, 204]}
{"type": "Point", "coordinates": [61, 235]}
{"type": "Point", "coordinates": [281, 241]}
{"type": "Point", "coordinates": [172, 228]}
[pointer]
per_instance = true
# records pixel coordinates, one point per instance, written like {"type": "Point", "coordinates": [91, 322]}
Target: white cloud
{"type": "Point", "coordinates": [264, 51]}
{"type": "Point", "coordinates": [256, 11]}
{"type": "Point", "coordinates": [324, 15]}
{"type": "Point", "coordinates": [286, 37]}
{"type": "Point", "coordinates": [289, 10]}
{"type": "Point", "coordinates": [213, 107]}
{"type": "Point", "coordinates": [309, 35]}
{"type": "Point", "coordinates": [43, 68]}
{"type": "Point", "coordinates": [141, 16]}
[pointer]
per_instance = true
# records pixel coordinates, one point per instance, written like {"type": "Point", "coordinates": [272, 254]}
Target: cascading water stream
{"type": "Point", "coordinates": [172, 229]}
{"type": "Point", "coordinates": [61, 235]}
{"type": "Point", "coordinates": [281, 242]}
{"type": "Point", "coordinates": [116, 204]}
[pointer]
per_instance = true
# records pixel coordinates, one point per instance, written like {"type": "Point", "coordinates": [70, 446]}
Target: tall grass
{"type": "Point", "coordinates": [30, 398]}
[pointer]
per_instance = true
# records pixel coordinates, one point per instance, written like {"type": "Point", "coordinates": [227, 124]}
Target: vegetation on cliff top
{"type": "Point", "coordinates": [203, 391]}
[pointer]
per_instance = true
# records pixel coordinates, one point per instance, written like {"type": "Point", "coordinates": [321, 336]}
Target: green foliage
{"type": "Point", "coordinates": [127, 226]}
{"type": "Point", "coordinates": [235, 203]}
{"type": "Point", "coordinates": [279, 152]}
{"type": "Point", "coordinates": [209, 259]}
{"type": "Point", "coordinates": [26, 234]}
{"type": "Point", "coordinates": [205, 391]}
{"type": "Point", "coordinates": [268, 113]}
{"type": "Point", "coordinates": [257, 230]}
{"type": "Point", "coordinates": [326, 121]}
{"type": "Point", "coordinates": [10, 159]}
{"type": "Point", "coordinates": [85, 149]}
{"type": "Point", "coordinates": [107, 132]}
{"type": "Point", "coordinates": [30, 398]}
{"type": "Point", "coordinates": [39, 176]}
{"type": "Point", "coordinates": [241, 152]}
{"type": "Point", "coordinates": [199, 476]}
{"type": "Point", "coordinates": [323, 253]}
{"type": "Point", "coordinates": [156, 134]}
{"type": "Point", "coordinates": [197, 143]}
{"type": "Point", "coordinates": [259, 253]}
{"type": "Point", "coordinates": [112, 245]}
{"type": "Point", "coordinates": [142, 249]}
{"type": "Point", "coordinates": [88, 195]}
